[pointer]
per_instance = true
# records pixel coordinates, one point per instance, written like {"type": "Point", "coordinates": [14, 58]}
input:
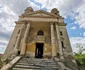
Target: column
{"type": "Point", "coordinates": [18, 40]}
{"type": "Point", "coordinates": [53, 41]}
{"type": "Point", "coordinates": [23, 47]}
{"type": "Point", "coordinates": [59, 41]}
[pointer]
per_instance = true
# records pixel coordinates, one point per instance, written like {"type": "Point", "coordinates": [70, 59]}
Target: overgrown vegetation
{"type": "Point", "coordinates": [80, 57]}
{"type": "Point", "coordinates": [0, 62]}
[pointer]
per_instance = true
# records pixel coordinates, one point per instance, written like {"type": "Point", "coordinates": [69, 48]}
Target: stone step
{"type": "Point", "coordinates": [35, 64]}
{"type": "Point", "coordinates": [24, 64]}
{"type": "Point", "coordinates": [31, 59]}
{"type": "Point", "coordinates": [48, 61]}
{"type": "Point", "coordinates": [27, 67]}
{"type": "Point", "coordinates": [30, 62]}
{"type": "Point", "coordinates": [23, 69]}
{"type": "Point", "coordinates": [46, 65]}
{"type": "Point", "coordinates": [37, 59]}
{"type": "Point", "coordinates": [33, 69]}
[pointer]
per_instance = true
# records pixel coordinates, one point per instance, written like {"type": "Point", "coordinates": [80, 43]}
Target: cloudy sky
{"type": "Point", "coordinates": [72, 10]}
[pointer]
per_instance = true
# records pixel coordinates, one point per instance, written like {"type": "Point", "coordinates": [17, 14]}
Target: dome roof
{"type": "Point", "coordinates": [29, 9]}
{"type": "Point", "coordinates": [54, 11]}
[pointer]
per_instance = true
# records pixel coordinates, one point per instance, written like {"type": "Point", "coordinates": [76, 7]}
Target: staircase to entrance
{"type": "Point", "coordinates": [35, 64]}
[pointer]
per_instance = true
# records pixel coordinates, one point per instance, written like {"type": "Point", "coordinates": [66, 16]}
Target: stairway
{"type": "Point", "coordinates": [35, 64]}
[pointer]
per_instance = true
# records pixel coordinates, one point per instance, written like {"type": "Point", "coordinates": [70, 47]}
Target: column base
{"type": "Point", "coordinates": [23, 48]}
{"type": "Point", "coordinates": [61, 58]}
{"type": "Point", "coordinates": [15, 51]}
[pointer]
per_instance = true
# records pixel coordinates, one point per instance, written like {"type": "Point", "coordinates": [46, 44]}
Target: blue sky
{"type": "Point", "coordinates": [72, 10]}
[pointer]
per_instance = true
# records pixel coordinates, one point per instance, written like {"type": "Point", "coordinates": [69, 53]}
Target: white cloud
{"type": "Point", "coordinates": [74, 27]}
{"type": "Point", "coordinates": [64, 6]}
{"type": "Point", "coordinates": [9, 12]}
{"type": "Point", "coordinates": [3, 44]}
{"type": "Point", "coordinates": [43, 2]}
{"type": "Point", "coordinates": [80, 17]}
{"type": "Point", "coordinates": [73, 8]}
{"type": "Point", "coordinates": [77, 40]}
{"type": "Point", "coordinates": [84, 34]}
{"type": "Point", "coordinates": [18, 6]}
{"type": "Point", "coordinates": [2, 48]}
{"type": "Point", "coordinates": [35, 7]}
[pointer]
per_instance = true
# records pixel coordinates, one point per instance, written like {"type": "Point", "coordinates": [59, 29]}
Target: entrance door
{"type": "Point", "coordinates": [39, 50]}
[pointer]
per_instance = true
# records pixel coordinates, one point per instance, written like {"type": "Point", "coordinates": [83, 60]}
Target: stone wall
{"type": "Point", "coordinates": [12, 41]}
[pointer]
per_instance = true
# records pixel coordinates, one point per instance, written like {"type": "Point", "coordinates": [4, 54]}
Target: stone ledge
{"type": "Point", "coordinates": [10, 64]}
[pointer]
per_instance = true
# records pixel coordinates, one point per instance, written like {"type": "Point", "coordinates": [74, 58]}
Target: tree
{"type": "Point", "coordinates": [80, 49]}
{"type": "Point", "coordinates": [80, 56]}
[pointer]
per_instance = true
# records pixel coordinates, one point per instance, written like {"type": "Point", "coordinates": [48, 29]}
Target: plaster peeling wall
{"type": "Point", "coordinates": [12, 41]}
{"type": "Point", "coordinates": [67, 50]}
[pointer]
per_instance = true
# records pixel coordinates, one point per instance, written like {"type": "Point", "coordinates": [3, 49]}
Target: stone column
{"type": "Point", "coordinates": [23, 46]}
{"type": "Point", "coordinates": [59, 41]}
{"type": "Point", "coordinates": [18, 40]}
{"type": "Point", "coordinates": [53, 41]}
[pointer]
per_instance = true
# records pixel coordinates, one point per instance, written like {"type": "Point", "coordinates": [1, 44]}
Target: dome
{"type": "Point", "coordinates": [54, 11]}
{"type": "Point", "coordinates": [29, 9]}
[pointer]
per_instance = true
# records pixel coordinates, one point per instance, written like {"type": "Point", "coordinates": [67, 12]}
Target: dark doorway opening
{"type": "Point", "coordinates": [18, 53]}
{"type": "Point", "coordinates": [39, 50]}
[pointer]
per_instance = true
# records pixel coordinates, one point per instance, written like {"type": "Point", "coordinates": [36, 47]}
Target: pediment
{"type": "Point", "coordinates": [40, 13]}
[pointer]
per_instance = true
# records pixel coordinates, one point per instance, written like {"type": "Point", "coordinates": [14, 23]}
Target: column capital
{"type": "Point", "coordinates": [19, 22]}
{"type": "Point", "coordinates": [56, 23]}
{"type": "Point", "coordinates": [23, 22]}
{"type": "Point", "coordinates": [29, 21]}
{"type": "Point", "coordinates": [51, 23]}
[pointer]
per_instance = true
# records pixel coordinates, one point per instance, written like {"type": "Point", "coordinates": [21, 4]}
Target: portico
{"type": "Point", "coordinates": [41, 39]}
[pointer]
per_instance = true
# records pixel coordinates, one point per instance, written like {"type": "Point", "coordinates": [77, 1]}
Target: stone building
{"type": "Point", "coordinates": [40, 34]}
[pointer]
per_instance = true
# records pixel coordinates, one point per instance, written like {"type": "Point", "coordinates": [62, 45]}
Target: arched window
{"type": "Point", "coordinates": [40, 32]}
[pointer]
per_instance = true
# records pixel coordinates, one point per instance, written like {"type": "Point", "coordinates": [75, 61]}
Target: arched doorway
{"type": "Point", "coordinates": [39, 46]}
{"type": "Point", "coordinates": [39, 50]}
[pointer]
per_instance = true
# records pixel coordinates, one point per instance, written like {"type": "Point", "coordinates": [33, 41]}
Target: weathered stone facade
{"type": "Point", "coordinates": [39, 34]}
{"type": "Point", "coordinates": [25, 37]}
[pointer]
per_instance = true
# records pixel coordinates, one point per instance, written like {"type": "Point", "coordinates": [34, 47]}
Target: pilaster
{"type": "Point", "coordinates": [23, 46]}
{"type": "Point", "coordinates": [59, 41]}
{"type": "Point", "coordinates": [53, 40]}
{"type": "Point", "coordinates": [18, 40]}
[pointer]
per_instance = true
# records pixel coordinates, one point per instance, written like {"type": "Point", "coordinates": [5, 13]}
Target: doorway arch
{"type": "Point", "coordinates": [40, 32]}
